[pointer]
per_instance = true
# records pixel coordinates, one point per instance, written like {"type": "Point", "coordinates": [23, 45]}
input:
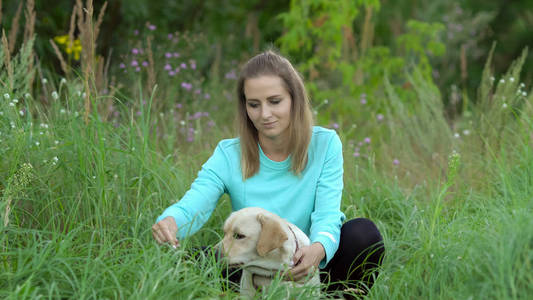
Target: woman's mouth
{"type": "Point", "coordinates": [269, 124]}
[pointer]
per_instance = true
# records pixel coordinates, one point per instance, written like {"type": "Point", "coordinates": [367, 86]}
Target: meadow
{"type": "Point", "coordinates": [91, 155]}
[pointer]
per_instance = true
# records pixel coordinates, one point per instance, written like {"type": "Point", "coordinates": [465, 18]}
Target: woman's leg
{"type": "Point", "coordinates": [360, 252]}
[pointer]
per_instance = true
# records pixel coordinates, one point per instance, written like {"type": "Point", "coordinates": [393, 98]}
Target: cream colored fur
{"type": "Point", "coordinates": [262, 244]}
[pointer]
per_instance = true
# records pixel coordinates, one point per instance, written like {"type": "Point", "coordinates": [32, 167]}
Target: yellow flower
{"type": "Point", "coordinates": [75, 48]}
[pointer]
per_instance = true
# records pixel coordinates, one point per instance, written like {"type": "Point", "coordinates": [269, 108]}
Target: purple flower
{"type": "Point", "coordinates": [205, 114]}
{"type": "Point", "coordinates": [396, 162]}
{"type": "Point", "coordinates": [137, 69]}
{"type": "Point", "coordinates": [168, 55]}
{"type": "Point", "coordinates": [207, 96]}
{"type": "Point", "coordinates": [193, 65]}
{"type": "Point", "coordinates": [135, 51]}
{"type": "Point", "coordinates": [186, 86]}
{"type": "Point", "coordinates": [231, 75]}
{"type": "Point", "coordinates": [363, 98]}
{"type": "Point", "coordinates": [380, 117]}
{"type": "Point", "coordinates": [183, 66]}
{"type": "Point", "coordinates": [169, 36]}
{"type": "Point", "coordinates": [198, 91]}
{"type": "Point", "coordinates": [335, 125]}
{"type": "Point", "coordinates": [177, 70]}
{"type": "Point", "coordinates": [367, 140]}
{"type": "Point", "coordinates": [197, 115]}
{"type": "Point", "coordinates": [136, 32]}
{"type": "Point", "coordinates": [139, 113]}
{"type": "Point", "coordinates": [168, 67]}
{"type": "Point", "coordinates": [171, 73]}
{"type": "Point", "coordinates": [134, 63]}
{"type": "Point", "coordinates": [122, 65]}
{"type": "Point", "coordinates": [190, 139]}
{"type": "Point", "coordinates": [178, 105]}
{"type": "Point", "coordinates": [356, 154]}
{"type": "Point", "coordinates": [151, 27]}
{"type": "Point", "coordinates": [145, 63]}
{"type": "Point", "coordinates": [176, 54]}
{"type": "Point", "coordinates": [211, 123]}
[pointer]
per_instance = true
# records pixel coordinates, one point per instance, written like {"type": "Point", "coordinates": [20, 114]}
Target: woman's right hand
{"type": "Point", "coordinates": [165, 232]}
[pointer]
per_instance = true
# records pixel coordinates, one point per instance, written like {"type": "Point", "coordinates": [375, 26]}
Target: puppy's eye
{"type": "Point", "coordinates": [238, 236]}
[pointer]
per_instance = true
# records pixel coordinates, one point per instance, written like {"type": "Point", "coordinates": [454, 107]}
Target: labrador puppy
{"type": "Point", "coordinates": [262, 244]}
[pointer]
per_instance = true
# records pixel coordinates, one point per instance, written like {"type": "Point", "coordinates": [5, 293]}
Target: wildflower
{"type": "Point", "coordinates": [11, 104]}
{"type": "Point", "coordinates": [21, 112]}
{"type": "Point", "coordinates": [83, 95]}
{"type": "Point", "coordinates": [168, 55]}
{"type": "Point", "coordinates": [456, 135]}
{"type": "Point", "coordinates": [207, 96]}
{"type": "Point", "coordinates": [211, 123]}
{"type": "Point", "coordinates": [511, 79]}
{"type": "Point", "coordinates": [37, 143]}
{"type": "Point", "coordinates": [135, 51]}
{"type": "Point", "coordinates": [15, 100]}
{"type": "Point", "coordinates": [183, 65]}
{"type": "Point", "coordinates": [178, 105]}
{"type": "Point", "coordinates": [186, 86]}
{"type": "Point", "coordinates": [27, 95]}
{"type": "Point", "coordinates": [55, 95]}
{"type": "Point", "coordinates": [151, 27]}
{"type": "Point", "coordinates": [70, 47]}
{"type": "Point", "coordinates": [522, 85]}
{"type": "Point", "coordinates": [136, 32]}
{"type": "Point", "coordinates": [6, 96]}
{"type": "Point", "coordinates": [169, 36]}
{"type": "Point", "coordinates": [193, 65]}
{"type": "Point", "coordinates": [326, 101]}
{"type": "Point", "coordinates": [502, 80]}
{"type": "Point", "coordinates": [363, 99]}
{"type": "Point", "coordinates": [176, 54]}
{"type": "Point", "coordinates": [62, 81]}
{"type": "Point", "coordinates": [380, 117]}
{"type": "Point", "coordinates": [335, 125]}
{"type": "Point", "coordinates": [56, 142]}
{"type": "Point", "coordinates": [182, 123]}
{"type": "Point", "coordinates": [122, 65]}
{"type": "Point", "coordinates": [466, 132]}
{"type": "Point", "coordinates": [396, 162]}
{"type": "Point", "coordinates": [137, 69]}
{"type": "Point", "coordinates": [492, 78]}
{"type": "Point", "coordinates": [132, 148]}
{"type": "Point", "coordinates": [44, 81]}
{"type": "Point", "coordinates": [134, 63]}
{"type": "Point", "coordinates": [145, 64]}
{"type": "Point", "coordinates": [504, 105]}
{"type": "Point", "coordinates": [168, 67]}
{"type": "Point", "coordinates": [1, 113]}
{"type": "Point", "coordinates": [171, 73]}
{"type": "Point", "coordinates": [524, 94]}
{"type": "Point", "coordinates": [41, 133]}
{"type": "Point", "coordinates": [356, 154]}
{"type": "Point", "coordinates": [367, 140]}
{"type": "Point", "coordinates": [315, 112]}
{"type": "Point", "coordinates": [62, 111]}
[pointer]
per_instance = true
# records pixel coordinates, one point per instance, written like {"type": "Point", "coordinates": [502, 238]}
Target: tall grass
{"type": "Point", "coordinates": [78, 197]}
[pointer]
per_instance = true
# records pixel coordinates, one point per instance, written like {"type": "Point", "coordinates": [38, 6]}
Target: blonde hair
{"type": "Point", "coordinates": [301, 122]}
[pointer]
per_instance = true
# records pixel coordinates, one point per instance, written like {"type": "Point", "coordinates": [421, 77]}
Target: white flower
{"type": "Point", "coordinates": [492, 78]}
{"type": "Point", "coordinates": [21, 112]}
{"type": "Point", "coordinates": [502, 80]}
{"type": "Point", "coordinates": [45, 161]}
{"type": "Point", "coordinates": [456, 135]}
{"type": "Point", "coordinates": [315, 112]}
{"type": "Point", "coordinates": [466, 132]}
{"type": "Point", "coordinates": [55, 95]}
{"type": "Point", "coordinates": [132, 148]}
{"type": "Point", "coordinates": [79, 93]}
{"type": "Point", "coordinates": [161, 114]}
{"type": "Point", "coordinates": [6, 96]}
{"type": "Point", "coordinates": [15, 100]}
{"type": "Point", "coordinates": [511, 79]}
{"type": "Point", "coordinates": [504, 105]}
{"type": "Point", "coordinates": [459, 257]}
{"type": "Point", "coordinates": [522, 85]}
{"type": "Point", "coordinates": [94, 177]}
{"type": "Point", "coordinates": [182, 123]}
{"type": "Point", "coordinates": [37, 143]}
{"type": "Point", "coordinates": [62, 111]}
{"type": "Point", "coordinates": [44, 80]}
{"type": "Point", "coordinates": [83, 95]}
{"type": "Point", "coordinates": [76, 113]}
{"type": "Point", "coordinates": [11, 104]}
{"type": "Point", "coordinates": [524, 94]}
{"type": "Point", "coordinates": [55, 159]}
{"type": "Point", "coordinates": [115, 176]}
{"type": "Point", "coordinates": [326, 101]}
{"type": "Point", "coordinates": [56, 142]}
{"type": "Point", "coordinates": [27, 95]}
{"type": "Point", "coordinates": [41, 133]}
{"type": "Point", "coordinates": [63, 81]}
{"type": "Point", "coordinates": [1, 113]}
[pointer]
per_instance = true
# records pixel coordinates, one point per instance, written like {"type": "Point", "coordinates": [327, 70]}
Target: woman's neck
{"type": "Point", "coordinates": [275, 149]}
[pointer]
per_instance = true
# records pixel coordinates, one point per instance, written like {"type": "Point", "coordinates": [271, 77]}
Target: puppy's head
{"type": "Point", "coordinates": [251, 234]}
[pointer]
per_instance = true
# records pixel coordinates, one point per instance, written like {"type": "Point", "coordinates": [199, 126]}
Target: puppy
{"type": "Point", "coordinates": [262, 244]}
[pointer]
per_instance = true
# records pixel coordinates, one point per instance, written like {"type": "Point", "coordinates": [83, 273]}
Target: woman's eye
{"type": "Point", "coordinates": [252, 105]}
{"type": "Point", "coordinates": [238, 236]}
{"type": "Point", "coordinates": [277, 101]}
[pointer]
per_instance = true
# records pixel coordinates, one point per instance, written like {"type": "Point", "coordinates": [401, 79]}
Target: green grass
{"type": "Point", "coordinates": [80, 217]}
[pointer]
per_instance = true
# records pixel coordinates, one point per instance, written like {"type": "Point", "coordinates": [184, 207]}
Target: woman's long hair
{"type": "Point", "coordinates": [301, 122]}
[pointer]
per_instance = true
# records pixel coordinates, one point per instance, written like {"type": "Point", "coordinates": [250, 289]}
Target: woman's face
{"type": "Point", "coordinates": [268, 104]}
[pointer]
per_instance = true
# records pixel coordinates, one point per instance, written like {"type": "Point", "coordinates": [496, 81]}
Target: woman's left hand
{"type": "Point", "coordinates": [306, 261]}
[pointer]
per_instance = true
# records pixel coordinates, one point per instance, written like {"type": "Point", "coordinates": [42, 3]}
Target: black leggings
{"type": "Point", "coordinates": [354, 264]}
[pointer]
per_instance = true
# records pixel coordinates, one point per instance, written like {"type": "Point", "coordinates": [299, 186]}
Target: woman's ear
{"type": "Point", "coordinates": [272, 235]}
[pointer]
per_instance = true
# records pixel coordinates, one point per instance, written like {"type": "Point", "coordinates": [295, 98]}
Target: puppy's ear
{"type": "Point", "coordinates": [272, 235]}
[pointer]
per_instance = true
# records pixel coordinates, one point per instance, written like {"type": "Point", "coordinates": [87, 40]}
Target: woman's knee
{"type": "Point", "coordinates": [362, 234]}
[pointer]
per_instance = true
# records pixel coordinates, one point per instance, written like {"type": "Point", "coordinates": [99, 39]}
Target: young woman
{"type": "Point", "coordinates": [284, 164]}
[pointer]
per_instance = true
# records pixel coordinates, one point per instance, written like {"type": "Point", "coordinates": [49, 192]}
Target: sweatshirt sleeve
{"type": "Point", "coordinates": [194, 208]}
{"type": "Point", "coordinates": [327, 218]}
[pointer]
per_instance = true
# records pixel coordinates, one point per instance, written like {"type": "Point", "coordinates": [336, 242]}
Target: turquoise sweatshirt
{"type": "Point", "coordinates": [311, 201]}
